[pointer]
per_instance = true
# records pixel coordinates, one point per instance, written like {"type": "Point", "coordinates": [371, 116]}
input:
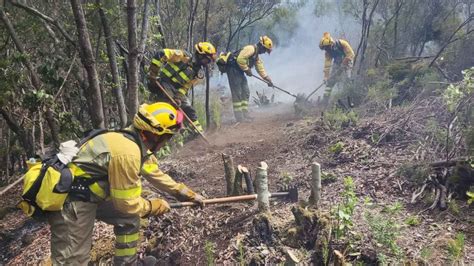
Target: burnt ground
{"type": "Point", "coordinates": [225, 234]}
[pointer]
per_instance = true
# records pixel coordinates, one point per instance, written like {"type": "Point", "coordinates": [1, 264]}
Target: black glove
{"type": "Point", "coordinates": [269, 81]}
{"type": "Point", "coordinates": [248, 72]}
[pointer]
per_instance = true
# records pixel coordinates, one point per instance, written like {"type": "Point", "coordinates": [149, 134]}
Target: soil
{"type": "Point", "coordinates": [226, 234]}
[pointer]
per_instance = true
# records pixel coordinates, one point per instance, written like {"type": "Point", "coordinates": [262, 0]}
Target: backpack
{"type": "Point", "coordinates": [46, 184]}
{"type": "Point", "coordinates": [222, 62]}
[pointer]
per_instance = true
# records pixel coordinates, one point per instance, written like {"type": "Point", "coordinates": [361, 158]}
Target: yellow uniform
{"type": "Point", "coordinates": [107, 186]}
{"type": "Point", "coordinates": [245, 59]}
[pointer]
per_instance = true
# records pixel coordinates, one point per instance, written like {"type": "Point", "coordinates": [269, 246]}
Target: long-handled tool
{"type": "Point", "coordinates": [324, 82]}
{"type": "Point", "coordinates": [276, 87]}
{"type": "Point", "coordinates": [185, 115]}
{"type": "Point", "coordinates": [291, 195]}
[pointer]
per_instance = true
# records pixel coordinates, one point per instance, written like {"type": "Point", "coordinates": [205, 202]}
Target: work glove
{"type": "Point", "coordinates": [248, 72]}
{"type": "Point", "coordinates": [269, 81]}
{"type": "Point", "coordinates": [186, 194]}
{"type": "Point", "coordinates": [158, 207]}
{"type": "Point", "coordinates": [346, 61]}
{"type": "Point", "coordinates": [199, 200]}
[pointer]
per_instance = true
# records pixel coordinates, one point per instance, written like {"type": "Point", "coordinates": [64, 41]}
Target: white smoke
{"type": "Point", "coordinates": [297, 65]}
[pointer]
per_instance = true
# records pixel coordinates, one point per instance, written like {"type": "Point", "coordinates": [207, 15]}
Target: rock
{"type": "Point", "coordinates": [27, 239]}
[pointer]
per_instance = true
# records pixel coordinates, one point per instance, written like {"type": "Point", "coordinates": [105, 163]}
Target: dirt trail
{"type": "Point", "coordinates": [248, 143]}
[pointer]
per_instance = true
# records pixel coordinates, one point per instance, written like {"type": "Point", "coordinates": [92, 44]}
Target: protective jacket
{"type": "Point", "coordinates": [340, 51]}
{"type": "Point", "coordinates": [175, 67]}
{"type": "Point", "coordinates": [248, 57]}
{"type": "Point", "coordinates": [115, 162]}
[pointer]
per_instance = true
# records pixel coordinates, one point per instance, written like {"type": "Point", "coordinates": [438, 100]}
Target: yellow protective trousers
{"type": "Point", "coordinates": [239, 88]}
{"type": "Point", "coordinates": [71, 232]}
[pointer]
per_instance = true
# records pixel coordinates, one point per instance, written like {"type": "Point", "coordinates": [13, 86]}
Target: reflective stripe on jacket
{"type": "Point", "coordinates": [342, 49]}
{"type": "Point", "coordinates": [175, 66]}
{"type": "Point", "coordinates": [248, 57]}
{"type": "Point", "coordinates": [117, 159]}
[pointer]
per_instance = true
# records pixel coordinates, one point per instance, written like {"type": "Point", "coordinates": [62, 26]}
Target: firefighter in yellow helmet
{"type": "Point", "coordinates": [341, 53]}
{"type": "Point", "coordinates": [107, 186]}
{"type": "Point", "coordinates": [240, 64]}
{"type": "Point", "coordinates": [177, 71]}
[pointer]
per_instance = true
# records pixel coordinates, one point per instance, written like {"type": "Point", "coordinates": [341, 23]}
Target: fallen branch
{"type": "Point", "coordinates": [415, 195]}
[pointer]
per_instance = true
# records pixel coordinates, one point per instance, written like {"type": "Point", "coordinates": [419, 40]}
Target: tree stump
{"type": "Point", "coordinates": [261, 182]}
{"type": "Point", "coordinates": [229, 173]}
{"type": "Point", "coordinates": [248, 179]}
{"type": "Point", "coordinates": [238, 190]}
{"type": "Point", "coordinates": [315, 184]}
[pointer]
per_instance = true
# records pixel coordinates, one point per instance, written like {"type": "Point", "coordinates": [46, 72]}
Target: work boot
{"type": "Point", "coordinates": [239, 116]}
{"type": "Point", "coordinates": [246, 115]}
{"type": "Point", "coordinates": [148, 261]}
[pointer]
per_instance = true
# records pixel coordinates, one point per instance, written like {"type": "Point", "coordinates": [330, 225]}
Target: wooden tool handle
{"type": "Point", "coordinates": [215, 201]}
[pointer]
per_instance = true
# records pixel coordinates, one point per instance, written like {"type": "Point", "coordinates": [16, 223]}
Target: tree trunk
{"type": "Point", "coordinates": [22, 134]}
{"type": "Point", "coordinates": [208, 112]}
{"type": "Point", "coordinates": [261, 182]}
{"type": "Point", "coordinates": [144, 32]}
{"type": "Point", "coordinates": [159, 26]}
{"type": "Point", "coordinates": [366, 39]}
{"type": "Point", "coordinates": [229, 173]}
{"type": "Point", "coordinates": [93, 95]}
{"type": "Point", "coordinates": [34, 77]}
{"type": "Point", "coordinates": [132, 82]}
{"type": "Point", "coordinates": [116, 84]}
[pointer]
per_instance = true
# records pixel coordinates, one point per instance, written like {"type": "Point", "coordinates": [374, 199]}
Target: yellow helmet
{"type": "Point", "coordinates": [326, 41]}
{"type": "Point", "coordinates": [158, 118]}
{"type": "Point", "coordinates": [266, 42]}
{"type": "Point", "coordinates": [206, 48]}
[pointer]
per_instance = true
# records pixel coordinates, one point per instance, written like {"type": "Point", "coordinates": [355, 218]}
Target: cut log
{"type": "Point", "coordinates": [229, 173]}
{"type": "Point", "coordinates": [315, 184]}
{"type": "Point", "coordinates": [261, 183]}
{"type": "Point", "coordinates": [238, 190]}
{"type": "Point", "coordinates": [248, 179]}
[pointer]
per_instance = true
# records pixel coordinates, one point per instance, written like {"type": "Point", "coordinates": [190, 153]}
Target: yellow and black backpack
{"type": "Point", "coordinates": [46, 184]}
{"type": "Point", "coordinates": [45, 187]}
{"type": "Point", "coordinates": [222, 62]}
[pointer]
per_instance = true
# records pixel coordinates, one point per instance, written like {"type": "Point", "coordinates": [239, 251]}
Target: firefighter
{"type": "Point", "coordinates": [340, 52]}
{"type": "Point", "coordinates": [240, 64]}
{"type": "Point", "coordinates": [177, 71]}
{"type": "Point", "coordinates": [107, 186]}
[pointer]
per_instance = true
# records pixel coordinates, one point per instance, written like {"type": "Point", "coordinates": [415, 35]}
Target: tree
{"type": "Point", "coordinates": [93, 94]}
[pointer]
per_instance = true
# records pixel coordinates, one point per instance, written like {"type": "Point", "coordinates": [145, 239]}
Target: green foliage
{"type": "Point", "coordinates": [470, 195]}
{"type": "Point", "coordinates": [453, 206]}
{"type": "Point", "coordinates": [328, 177]}
{"type": "Point", "coordinates": [215, 109]}
{"type": "Point", "coordinates": [337, 118]}
{"type": "Point", "coordinates": [345, 210]}
{"type": "Point", "coordinates": [337, 147]}
{"type": "Point", "coordinates": [412, 220]}
{"type": "Point", "coordinates": [396, 207]}
{"type": "Point", "coordinates": [210, 249]}
{"type": "Point", "coordinates": [416, 173]}
{"type": "Point", "coordinates": [455, 247]}
{"type": "Point", "coordinates": [287, 178]}
{"type": "Point", "coordinates": [241, 253]}
{"type": "Point", "coordinates": [426, 253]}
{"type": "Point", "coordinates": [454, 95]}
{"type": "Point", "coordinates": [34, 99]}
{"type": "Point", "coordinates": [385, 231]}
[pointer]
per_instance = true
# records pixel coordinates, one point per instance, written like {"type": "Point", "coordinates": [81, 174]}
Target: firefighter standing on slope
{"type": "Point", "coordinates": [241, 62]}
{"type": "Point", "coordinates": [177, 71]}
{"type": "Point", "coordinates": [339, 51]}
{"type": "Point", "coordinates": [107, 186]}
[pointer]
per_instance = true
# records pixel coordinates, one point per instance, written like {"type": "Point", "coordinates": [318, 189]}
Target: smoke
{"type": "Point", "coordinates": [296, 64]}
